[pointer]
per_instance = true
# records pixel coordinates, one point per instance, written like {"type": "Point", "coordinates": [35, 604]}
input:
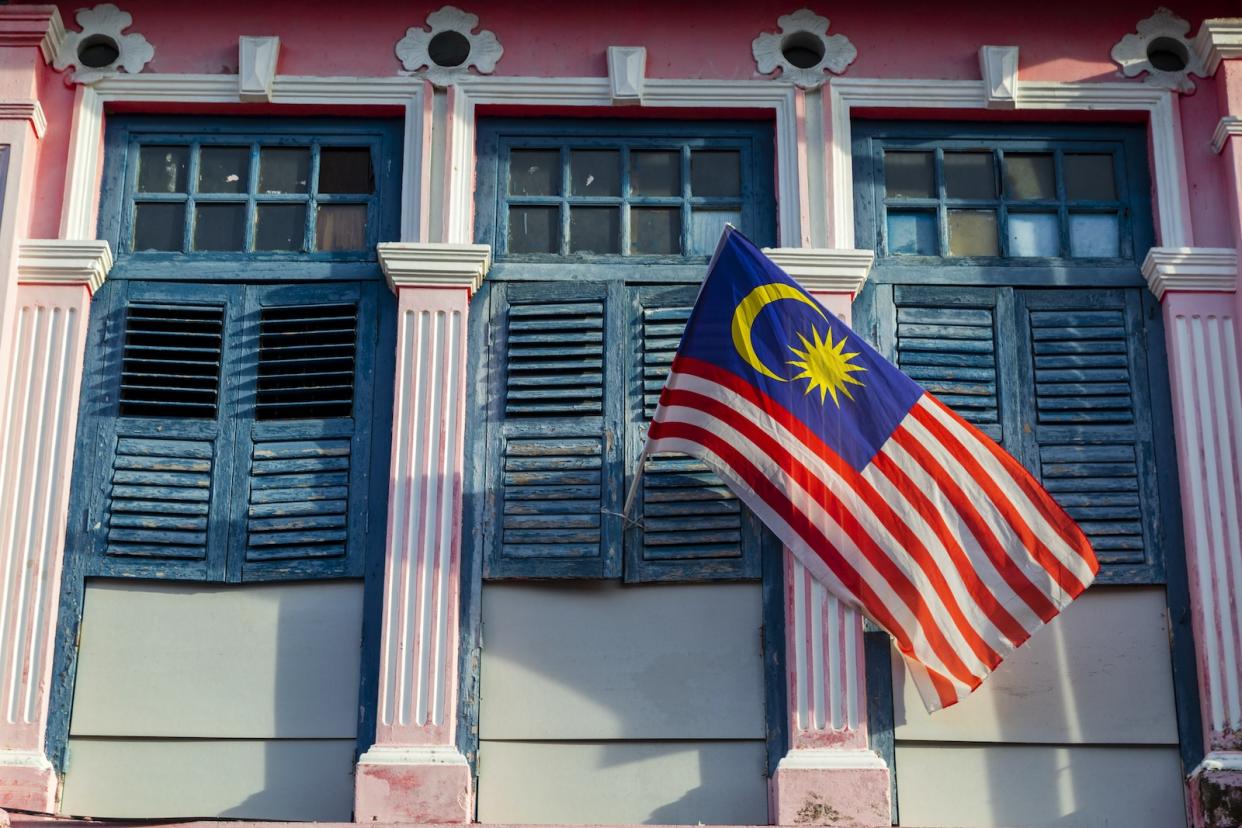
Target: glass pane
{"type": "Point", "coordinates": [595, 230]}
{"type": "Point", "coordinates": [283, 169]}
{"type": "Point", "coordinates": [1094, 234]}
{"type": "Point", "coordinates": [1034, 234]}
{"type": "Point", "coordinates": [912, 234]}
{"type": "Point", "coordinates": [280, 227]}
{"type": "Point", "coordinates": [909, 175]}
{"type": "Point", "coordinates": [345, 170]}
{"type": "Point", "coordinates": [534, 230]}
{"type": "Point", "coordinates": [534, 172]}
{"type": "Point", "coordinates": [716, 174]}
{"type": "Point", "coordinates": [595, 173]}
{"type": "Point", "coordinates": [655, 173]}
{"type": "Point", "coordinates": [219, 226]}
{"type": "Point", "coordinates": [162, 169]}
{"type": "Point", "coordinates": [341, 227]}
{"type": "Point", "coordinates": [223, 169]}
{"type": "Point", "coordinates": [706, 227]}
{"type": "Point", "coordinates": [158, 226]}
{"type": "Point", "coordinates": [1029, 176]}
{"type": "Point", "coordinates": [1088, 177]}
{"type": "Point", "coordinates": [655, 230]}
{"type": "Point", "coordinates": [969, 175]}
{"type": "Point", "coordinates": [972, 233]}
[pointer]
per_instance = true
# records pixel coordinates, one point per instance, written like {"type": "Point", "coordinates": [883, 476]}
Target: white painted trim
{"type": "Point", "coordinates": [1199, 269]}
{"type": "Point", "coordinates": [18, 758]}
{"type": "Point", "coordinates": [1172, 195]}
{"type": "Point", "coordinates": [1219, 760]}
{"type": "Point", "coordinates": [657, 92]}
{"type": "Point", "coordinates": [60, 261]}
{"type": "Point", "coordinates": [1218, 39]}
{"type": "Point", "coordinates": [411, 755]}
{"type": "Point", "coordinates": [256, 61]}
{"type": "Point", "coordinates": [423, 265]}
{"type": "Point", "coordinates": [31, 111]}
{"type": "Point", "coordinates": [999, 67]}
{"type": "Point", "coordinates": [831, 759]}
{"type": "Point", "coordinates": [817, 269]}
{"type": "Point", "coordinates": [1226, 128]}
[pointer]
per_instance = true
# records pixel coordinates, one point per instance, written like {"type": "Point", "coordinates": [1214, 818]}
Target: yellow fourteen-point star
{"type": "Point", "coordinates": [825, 367]}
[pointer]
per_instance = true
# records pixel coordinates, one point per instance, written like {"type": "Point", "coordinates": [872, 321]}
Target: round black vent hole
{"type": "Point", "coordinates": [449, 49]}
{"type": "Point", "coordinates": [803, 49]}
{"type": "Point", "coordinates": [98, 51]}
{"type": "Point", "coordinates": [1168, 54]}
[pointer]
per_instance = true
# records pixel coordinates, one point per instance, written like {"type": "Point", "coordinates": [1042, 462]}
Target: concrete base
{"type": "Point", "coordinates": [1214, 792]}
{"type": "Point", "coordinates": [422, 785]}
{"type": "Point", "coordinates": [841, 788]}
{"type": "Point", "coordinates": [27, 782]}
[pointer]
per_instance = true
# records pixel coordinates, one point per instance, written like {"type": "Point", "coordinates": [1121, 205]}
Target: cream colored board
{"type": "Point", "coordinates": [680, 783]}
{"type": "Point", "coordinates": [1099, 673]}
{"type": "Point", "coordinates": [1033, 787]}
{"type": "Point", "coordinates": [301, 779]}
{"type": "Point", "coordinates": [606, 661]}
{"type": "Point", "coordinates": [251, 662]}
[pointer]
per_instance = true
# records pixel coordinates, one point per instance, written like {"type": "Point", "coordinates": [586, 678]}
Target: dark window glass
{"type": "Point", "coordinates": [341, 227]}
{"type": "Point", "coordinates": [655, 230]}
{"type": "Point", "coordinates": [655, 173]}
{"type": "Point", "coordinates": [909, 175]}
{"type": "Point", "coordinates": [162, 169]}
{"type": "Point", "coordinates": [283, 169]}
{"type": "Point", "coordinates": [219, 226]}
{"type": "Point", "coordinates": [345, 170]}
{"type": "Point", "coordinates": [223, 169]}
{"type": "Point", "coordinates": [1029, 176]}
{"type": "Point", "coordinates": [716, 174]}
{"type": "Point", "coordinates": [280, 227]}
{"type": "Point", "coordinates": [969, 175]}
{"type": "Point", "coordinates": [912, 234]}
{"type": "Point", "coordinates": [595, 230]}
{"type": "Point", "coordinates": [1089, 177]}
{"type": "Point", "coordinates": [158, 226]}
{"type": "Point", "coordinates": [595, 172]}
{"type": "Point", "coordinates": [534, 172]}
{"type": "Point", "coordinates": [534, 230]}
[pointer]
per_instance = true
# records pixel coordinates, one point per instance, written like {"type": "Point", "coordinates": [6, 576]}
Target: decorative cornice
{"type": "Point", "coordinates": [435, 265]}
{"type": "Point", "coordinates": [31, 111]}
{"type": "Point", "coordinates": [64, 262]}
{"type": "Point", "coordinates": [1220, 760]}
{"type": "Point", "coordinates": [412, 755]}
{"type": "Point", "coordinates": [1218, 39]}
{"type": "Point", "coordinates": [830, 759]}
{"type": "Point", "coordinates": [32, 26]}
{"type": "Point", "coordinates": [1226, 128]}
{"type": "Point", "coordinates": [1198, 269]}
{"type": "Point", "coordinates": [822, 270]}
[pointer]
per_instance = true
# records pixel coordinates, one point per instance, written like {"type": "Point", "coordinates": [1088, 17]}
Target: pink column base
{"type": "Point", "coordinates": [422, 793]}
{"type": "Point", "coordinates": [1215, 798]}
{"type": "Point", "coordinates": [840, 797]}
{"type": "Point", "coordinates": [27, 783]}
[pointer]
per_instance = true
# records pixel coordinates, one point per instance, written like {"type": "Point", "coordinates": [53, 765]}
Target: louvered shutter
{"type": "Point", "coordinates": [553, 473]}
{"type": "Point", "coordinates": [1089, 410]}
{"type": "Point", "coordinates": [688, 525]}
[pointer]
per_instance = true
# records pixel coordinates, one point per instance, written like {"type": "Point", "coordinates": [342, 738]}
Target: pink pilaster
{"type": "Point", "coordinates": [829, 776]}
{"type": "Point", "coordinates": [56, 280]}
{"type": "Point", "coordinates": [414, 772]}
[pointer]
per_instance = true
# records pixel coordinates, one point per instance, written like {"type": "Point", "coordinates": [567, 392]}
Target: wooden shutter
{"type": "Point", "coordinates": [552, 465]}
{"type": "Point", "coordinates": [688, 525]}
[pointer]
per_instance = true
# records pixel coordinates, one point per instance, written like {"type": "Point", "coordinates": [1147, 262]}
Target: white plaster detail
{"type": "Point", "coordinates": [831, 759]}
{"type": "Point", "coordinates": [413, 50]}
{"type": "Point", "coordinates": [18, 758]}
{"type": "Point", "coordinates": [627, 70]}
{"type": "Point", "coordinates": [60, 261]}
{"type": "Point", "coordinates": [105, 22]}
{"type": "Point", "coordinates": [424, 264]}
{"type": "Point", "coordinates": [803, 27]}
{"type": "Point", "coordinates": [837, 271]}
{"type": "Point", "coordinates": [1219, 38]}
{"type": "Point", "coordinates": [31, 111]}
{"type": "Point", "coordinates": [999, 67]}
{"type": "Point", "coordinates": [415, 755]}
{"type": "Point", "coordinates": [825, 672]}
{"type": "Point", "coordinates": [1162, 28]}
{"type": "Point", "coordinates": [1220, 760]}
{"type": "Point", "coordinates": [1198, 269]}
{"type": "Point", "coordinates": [1226, 128]}
{"type": "Point", "coordinates": [256, 67]}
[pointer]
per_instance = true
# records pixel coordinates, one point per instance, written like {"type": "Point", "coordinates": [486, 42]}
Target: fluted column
{"type": "Point", "coordinates": [828, 764]}
{"type": "Point", "coordinates": [414, 772]}
{"type": "Point", "coordinates": [38, 421]}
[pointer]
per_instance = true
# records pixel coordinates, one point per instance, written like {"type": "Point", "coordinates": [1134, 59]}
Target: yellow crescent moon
{"type": "Point", "coordinates": [748, 309]}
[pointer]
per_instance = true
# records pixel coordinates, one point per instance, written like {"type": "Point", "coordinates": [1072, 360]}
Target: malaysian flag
{"type": "Point", "coordinates": [895, 503]}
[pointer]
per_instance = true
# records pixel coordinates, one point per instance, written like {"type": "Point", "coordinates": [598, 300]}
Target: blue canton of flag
{"type": "Point", "coordinates": [899, 506]}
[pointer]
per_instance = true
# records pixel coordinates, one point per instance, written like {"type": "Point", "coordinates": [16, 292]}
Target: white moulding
{"type": "Point", "coordinates": [999, 67]}
{"type": "Point", "coordinates": [818, 269]}
{"type": "Point", "coordinates": [104, 24]}
{"type": "Point", "coordinates": [1226, 128]}
{"type": "Point", "coordinates": [66, 262]}
{"type": "Point", "coordinates": [434, 265]}
{"type": "Point", "coordinates": [1130, 53]}
{"type": "Point", "coordinates": [627, 69]}
{"type": "Point", "coordinates": [1218, 39]}
{"type": "Point", "coordinates": [831, 759]}
{"type": "Point", "coordinates": [256, 67]}
{"type": "Point", "coordinates": [414, 50]}
{"type": "Point", "coordinates": [1196, 269]}
{"type": "Point", "coordinates": [810, 31]}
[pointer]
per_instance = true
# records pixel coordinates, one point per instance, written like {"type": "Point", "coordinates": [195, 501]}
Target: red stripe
{"type": "Point", "coordinates": [1033, 544]}
{"type": "Point", "coordinates": [824, 495]}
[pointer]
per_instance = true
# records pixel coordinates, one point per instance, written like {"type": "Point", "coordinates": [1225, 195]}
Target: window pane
{"type": "Point", "coordinates": [969, 175]}
{"type": "Point", "coordinates": [655, 173]}
{"type": "Point", "coordinates": [595, 173]}
{"type": "Point", "coordinates": [158, 226]}
{"type": "Point", "coordinates": [706, 227]}
{"type": "Point", "coordinates": [283, 169]}
{"type": "Point", "coordinates": [1029, 176]}
{"type": "Point", "coordinates": [280, 227]}
{"type": "Point", "coordinates": [595, 230]}
{"type": "Point", "coordinates": [535, 172]}
{"type": "Point", "coordinates": [534, 230]}
{"type": "Point", "coordinates": [912, 234]}
{"type": "Point", "coordinates": [716, 174]}
{"type": "Point", "coordinates": [162, 169]}
{"type": "Point", "coordinates": [655, 231]}
{"type": "Point", "coordinates": [223, 169]}
{"type": "Point", "coordinates": [972, 233]}
{"type": "Point", "coordinates": [909, 175]}
{"type": "Point", "coordinates": [1034, 234]}
{"type": "Point", "coordinates": [219, 226]}
{"type": "Point", "coordinates": [345, 170]}
{"type": "Point", "coordinates": [341, 227]}
{"type": "Point", "coordinates": [1094, 234]}
{"type": "Point", "coordinates": [1089, 177]}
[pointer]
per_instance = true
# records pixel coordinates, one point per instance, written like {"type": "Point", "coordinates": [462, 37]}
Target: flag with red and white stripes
{"type": "Point", "coordinates": [895, 503]}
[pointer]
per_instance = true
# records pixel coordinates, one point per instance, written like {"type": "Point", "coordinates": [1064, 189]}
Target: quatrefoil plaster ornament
{"type": "Point", "coordinates": [99, 37]}
{"type": "Point", "coordinates": [803, 50]}
{"type": "Point", "coordinates": [449, 47]}
{"type": "Point", "coordinates": [1160, 38]}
